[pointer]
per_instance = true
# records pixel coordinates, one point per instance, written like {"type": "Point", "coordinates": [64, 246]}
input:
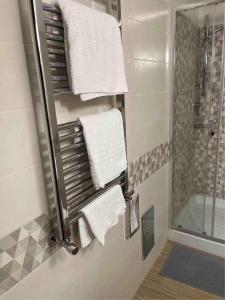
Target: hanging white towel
{"type": "Point", "coordinates": [104, 138]}
{"type": "Point", "coordinates": [101, 215]}
{"type": "Point", "coordinates": [94, 51]}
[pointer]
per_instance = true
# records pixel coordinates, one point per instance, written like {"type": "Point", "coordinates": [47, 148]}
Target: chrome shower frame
{"type": "Point", "coordinates": [173, 12]}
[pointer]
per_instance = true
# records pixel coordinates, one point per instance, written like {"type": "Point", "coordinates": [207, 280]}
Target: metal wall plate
{"type": "Point", "coordinates": [132, 215]}
{"type": "Point", "coordinates": [148, 238]}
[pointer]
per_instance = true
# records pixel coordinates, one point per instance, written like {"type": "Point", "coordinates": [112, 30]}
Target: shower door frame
{"type": "Point", "coordinates": [173, 12]}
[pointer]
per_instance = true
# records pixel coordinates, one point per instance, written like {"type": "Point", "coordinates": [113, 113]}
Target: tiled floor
{"type": "Point", "coordinates": [156, 286]}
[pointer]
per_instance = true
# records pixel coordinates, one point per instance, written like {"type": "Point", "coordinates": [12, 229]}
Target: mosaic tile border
{"type": "Point", "coordinates": [147, 164]}
{"type": "Point", "coordinates": [22, 251]}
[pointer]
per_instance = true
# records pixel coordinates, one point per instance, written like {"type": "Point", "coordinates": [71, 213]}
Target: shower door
{"type": "Point", "coordinates": [198, 122]}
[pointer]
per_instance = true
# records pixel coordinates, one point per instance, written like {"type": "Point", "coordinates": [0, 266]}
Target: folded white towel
{"type": "Point", "coordinates": [104, 138]}
{"type": "Point", "coordinates": [100, 215]}
{"type": "Point", "coordinates": [95, 51]}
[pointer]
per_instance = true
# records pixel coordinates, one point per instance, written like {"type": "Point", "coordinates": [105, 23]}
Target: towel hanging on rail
{"type": "Point", "coordinates": [101, 215]}
{"type": "Point", "coordinates": [104, 138]}
{"type": "Point", "coordinates": [94, 51]}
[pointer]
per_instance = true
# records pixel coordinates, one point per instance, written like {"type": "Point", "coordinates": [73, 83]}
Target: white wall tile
{"type": "Point", "coordinates": [14, 81]}
{"type": "Point", "coordinates": [127, 8]}
{"type": "Point", "coordinates": [150, 108]}
{"type": "Point", "coordinates": [99, 5]}
{"type": "Point", "coordinates": [128, 38]}
{"type": "Point", "coordinates": [23, 198]}
{"type": "Point", "coordinates": [19, 146]}
{"type": "Point", "coordinates": [155, 11]}
{"type": "Point", "coordinates": [50, 281]}
{"type": "Point", "coordinates": [128, 262]}
{"type": "Point", "coordinates": [151, 77]}
{"type": "Point", "coordinates": [10, 29]}
{"type": "Point", "coordinates": [150, 43]}
{"type": "Point", "coordinates": [69, 108]}
{"type": "Point", "coordinates": [150, 136]}
{"type": "Point", "coordinates": [101, 268]}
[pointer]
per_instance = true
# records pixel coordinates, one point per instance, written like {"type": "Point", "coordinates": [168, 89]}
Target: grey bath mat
{"type": "Point", "coordinates": [195, 268]}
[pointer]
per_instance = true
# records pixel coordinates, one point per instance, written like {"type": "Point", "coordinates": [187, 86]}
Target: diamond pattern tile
{"type": "Point", "coordinates": [23, 251]}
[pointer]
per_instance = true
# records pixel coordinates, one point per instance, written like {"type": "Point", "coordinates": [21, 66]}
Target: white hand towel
{"type": "Point", "coordinates": [104, 138]}
{"type": "Point", "coordinates": [95, 51]}
{"type": "Point", "coordinates": [100, 215]}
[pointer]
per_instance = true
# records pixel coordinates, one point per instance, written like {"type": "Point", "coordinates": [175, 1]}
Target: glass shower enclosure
{"type": "Point", "coordinates": [198, 187]}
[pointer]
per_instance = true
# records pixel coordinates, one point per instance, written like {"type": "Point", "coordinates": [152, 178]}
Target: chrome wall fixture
{"type": "Point", "coordinates": [69, 185]}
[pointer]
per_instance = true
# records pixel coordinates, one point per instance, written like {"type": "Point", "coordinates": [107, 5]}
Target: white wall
{"type": "Point", "coordinates": [117, 269]}
{"type": "Point", "coordinates": [21, 184]}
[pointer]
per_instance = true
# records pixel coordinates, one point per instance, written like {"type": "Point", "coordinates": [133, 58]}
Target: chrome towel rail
{"type": "Point", "coordinates": [62, 146]}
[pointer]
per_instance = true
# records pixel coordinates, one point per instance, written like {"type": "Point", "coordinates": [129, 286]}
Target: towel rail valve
{"type": "Point", "coordinates": [70, 247]}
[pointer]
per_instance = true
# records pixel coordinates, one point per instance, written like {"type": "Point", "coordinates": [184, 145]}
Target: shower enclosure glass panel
{"type": "Point", "coordinates": [198, 122]}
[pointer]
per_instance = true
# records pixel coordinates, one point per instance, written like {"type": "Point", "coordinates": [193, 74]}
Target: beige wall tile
{"type": "Point", "coordinates": [19, 145]}
{"type": "Point", "coordinates": [151, 77]}
{"type": "Point", "coordinates": [14, 81]}
{"type": "Point", "coordinates": [154, 191]}
{"type": "Point", "coordinates": [148, 137]}
{"type": "Point", "coordinates": [23, 198]}
{"type": "Point", "coordinates": [150, 108]}
{"type": "Point", "coordinates": [69, 107]}
{"type": "Point", "coordinates": [128, 41]}
{"type": "Point", "coordinates": [127, 8]}
{"type": "Point", "coordinates": [150, 43]}
{"type": "Point", "coordinates": [127, 263]}
{"type": "Point", "coordinates": [154, 10]}
{"type": "Point", "coordinates": [50, 281]}
{"type": "Point", "coordinates": [99, 5]}
{"type": "Point", "coordinates": [101, 268]}
{"type": "Point", "coordinates": [10, 29]}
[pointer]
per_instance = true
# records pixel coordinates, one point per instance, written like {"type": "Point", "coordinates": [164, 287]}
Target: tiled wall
{"type": "Point", "coordinates": [186, 93]}
{"type": "Point", "coordinates": [205, 145]}
{"type": "Point", "coordinates": [117, 269]}
{"type": "Point", "coordinates": [21, 184]}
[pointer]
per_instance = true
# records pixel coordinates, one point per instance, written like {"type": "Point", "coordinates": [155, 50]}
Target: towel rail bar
{"type": "Point", "coordinates": [75, 168]}
{"type": "Point", "coordinates": [69, 125]}
{"type": "Point", "coordinates": [57, 44]}
{"type": "Point", "coordinates": [51, 22]}
{"type": "Point", "coordinates": [56, 51]}
{"type": "Point", "coordinates": [78, 177]}
{"type": "Point", "coordinates": [66, 150]}
{"type": "Point", "coordinates": [51, 8]}
{"type": "Point", "coordinates": [78, 189]}
{"type": "Point", "coordinates": [57, 65]}
{"type": "Point", "coordinates": [55, 37]}
{"type": "Point", "coordinates": [78, 183]}
{"type": "Point", "coordinates": [74, 157]}
{"type": "Point", "coordinates": [72, 147]}
{"type": "Point", "coordinates": [70, 136]}
{"type": "Point", "coordinates": [59, 91]}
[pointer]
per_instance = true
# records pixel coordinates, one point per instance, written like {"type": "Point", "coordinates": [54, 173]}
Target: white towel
{"type": "Point", "coordinates": [95, 51]}
{"type": "Point", "coordinates": [104, 138]}
{"type": "Point", "coordinates": [101, 215]}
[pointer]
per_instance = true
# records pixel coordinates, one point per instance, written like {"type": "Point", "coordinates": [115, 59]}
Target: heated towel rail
{"type": "Point", "coordinates": [69, 185]}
